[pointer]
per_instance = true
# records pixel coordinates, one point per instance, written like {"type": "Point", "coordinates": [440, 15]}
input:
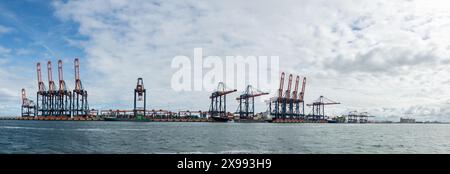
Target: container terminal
{"type": "Point", "coordinates": [288, 106]}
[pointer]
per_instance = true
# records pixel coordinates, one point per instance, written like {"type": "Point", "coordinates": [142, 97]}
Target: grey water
{"type": "Point", "coordinates": [71, 137]}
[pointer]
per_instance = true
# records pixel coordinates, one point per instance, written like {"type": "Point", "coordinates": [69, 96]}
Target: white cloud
{"type": "Point", "coordinates": [4, 29]}
{"type": "Point", "coordinates": [22, 51]}
{"type": "Point", "coordinates": [12, 80]}
{"type": "Point", "coordinates": [4, 51]}
{"type": "Point", "coordinates": [369, 55]}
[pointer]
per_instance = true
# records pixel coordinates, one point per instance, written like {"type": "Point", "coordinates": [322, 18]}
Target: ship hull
{"type": "Point", "coordinates": [220, 119]}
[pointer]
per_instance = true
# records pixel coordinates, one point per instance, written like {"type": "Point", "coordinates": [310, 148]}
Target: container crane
{"type": "Point", "coordinates": [278, 100]}
{"type": "Point", "coordinates": [287, 99]}
{"type": "Point", "coordinates": [355, 117]}
{"type": "Point", "coordinates": [294, 100]}
{"type": "Point", "coordinates": [299, 102]}
{"type": "Point", "coordinates": [218, 102]}
{"type": "Point", "coordinates": [64, 99]}
{"type": "Point", "coordinates": [41, 95]}
{"type": "Point", "coordinates": [318, 107]}
{"type": "Point", "coordinates": [51, 91]}
{"type": "Point", "coordinates": [28, 106]}
{"type": "Point", "coordinates": [246, 100]}
{"type": "Point", "coordinates": [139, 97]}
{"type": "Point", "coordinates": [80, 105]}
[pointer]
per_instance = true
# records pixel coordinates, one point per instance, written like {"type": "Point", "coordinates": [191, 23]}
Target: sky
{"type": "Point", "coordinates": [388, 58]}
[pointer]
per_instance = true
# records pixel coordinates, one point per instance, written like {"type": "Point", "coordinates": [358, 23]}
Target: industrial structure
{"type": "Point", "coordinates": [64, 96]}
{"type": "Point", "coordinates": [218, 107]}
{"type": "Point", "coordinates": [140, 97]}
{"type": "Point", "coordinates": [297, 104]}
{"type": "Point", "coordinates": [288, 105]}
{"type": "Point", "coordinates": [356, 117]}
{"type": "Point", "coordinates": [60, 101]}
{"type": "Point", "coordinates": [41, 96]}
{"type": "Point", "coordinates": [407, 120]}
{"type": "Point", "coordinates": [318, 108]}
{"type": "Point", "coordinates": [80, 106]}
{"type": "Point", "coordinates": [51, 93]}
{"type": "Point", "coordinates": [28, 106]}
{"type": "Point", "coordinates": [246, 108]}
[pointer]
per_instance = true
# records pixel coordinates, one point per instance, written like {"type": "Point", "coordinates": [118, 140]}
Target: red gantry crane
{"type": "Point", "coordinates": [287, 99]}
{"type": "Point", "coordinates": [41, 95]}
{"type": "Point", "coordinates": [288, 105]}
{"type": "Point", "coordinates": [80, 105]}
{"type": "Point", "coordinates": [64, 99]}
{"type": "Point", "coordinates": [278, 100]}
{"type": "Point", "coordinates": [293, 101]}
{"type": "Point", "coordinates": [299, 101]}
{"type": "Point", "coordinates": [28, 106]}
{"type": "Point", "coordinates": [51, 91]}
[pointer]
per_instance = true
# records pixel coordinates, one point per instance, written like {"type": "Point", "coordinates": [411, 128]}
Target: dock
{"type": "Point", "coordinates": [55, 102]}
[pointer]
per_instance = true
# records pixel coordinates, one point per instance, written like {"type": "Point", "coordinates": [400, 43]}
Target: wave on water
{"type": "Point", "coordinates": [134, 129]}
{"type": "Point", "coordinates": [46, 128]}
{"type": "Point", "coordinates": [31, 128]}
{"type": "Point", "coordinates": [69, 129]}
{"type": "Point", "coordinates": [97, 129]}
{"type": "Point", "coordinates": [91, 129]}
{"type": "Point", "coordinates": [107, 130]}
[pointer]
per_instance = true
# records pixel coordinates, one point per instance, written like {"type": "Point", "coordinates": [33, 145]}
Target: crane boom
{"type": "Point", "coordinates": [302, 93]}
{"type": "Point", "coordinates": [317, 103]}
{"type": "Point", "coordinates": [51, 83]}
{"type": "Point", "coordinates": [78, 85]}
{"type": "Point", "coordinates": [280, 90]}
{"type": "Point", "coordinates": [294, 94]}
{"type": "Point", "coordinates": [323, 101]}
{"type": "Point", "coordinates": [41, 86]}
{"type": "Point", "coordinates": [221, 93]}
{"type": "Point", "coordinates": [60, 71]}
{"type": "Point", "coordinates": [24, 98]}
{"type": "Point", "coordinates": [251, 95]}
{"type": "Point", "coordinates": [288, 91]}
{"type": "Point", "coordinates": [62, 83]}
{"type": "Point", "coordinates": [77, 69]}
{"type": "Point", "coordinates": [221, 90]}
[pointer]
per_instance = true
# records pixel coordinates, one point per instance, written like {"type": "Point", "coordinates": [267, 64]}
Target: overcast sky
{"type": "Point", "coordinates": [390, 58]}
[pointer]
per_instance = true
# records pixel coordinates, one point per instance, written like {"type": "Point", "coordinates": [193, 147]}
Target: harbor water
{"type": "Point", "coordinates": [72, 137]}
